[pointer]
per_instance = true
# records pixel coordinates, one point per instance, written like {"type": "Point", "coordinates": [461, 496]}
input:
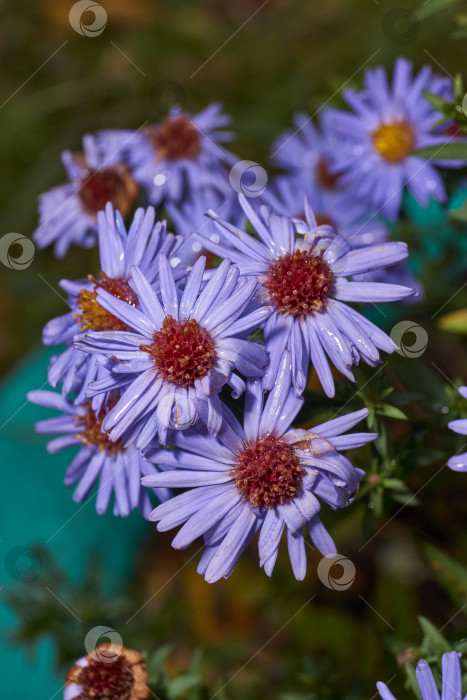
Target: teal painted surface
{"type": "Point", "coordinates": [37, 508]}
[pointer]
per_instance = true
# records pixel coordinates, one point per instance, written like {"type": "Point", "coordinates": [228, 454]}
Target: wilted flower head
{"type": "Point", "coordinates": [110, 672]}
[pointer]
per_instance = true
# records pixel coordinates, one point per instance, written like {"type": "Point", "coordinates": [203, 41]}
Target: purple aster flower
{"type": "Point", "coordinates": [451, 680]}
{"type": "Point", "coordinates": [287, 197]}
{"type": "Point", "coordinates": [117, 469]}
{"type": "Point", "coordinates": [387, 123]}
{"type": "Point", "coordinates": [265, 476]}
{"type": "Point", "coordinates": [68, 213]}
{"type": "Point", "coordinates": [178, 351]}
{"type": "Point", "coordinates": [177, 157]}
{"type": "Point", "coordinates": [305, 279]}
{"type": "Point", "coordinates": [119, 250]}
{"type": "Point", "coordinates": [459, 462]}
{"type": "Point", "coordinates": [306, 155]}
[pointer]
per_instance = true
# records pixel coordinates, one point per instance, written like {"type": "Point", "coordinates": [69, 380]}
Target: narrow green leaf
{"type": "Point", "coordinates": [451, 574]}
{"type": "Point", "coordinates": [439, 643]}
{"type": "Point", "coordinates": [392, 412]}
{"type": "Point", "coordinates": [452, 150]}
{"type": "Point", "coordinates": [182, 683]}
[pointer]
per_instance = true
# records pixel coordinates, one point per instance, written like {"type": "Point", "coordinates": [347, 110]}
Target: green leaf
{"type": "Point", "coordinates": [438, 103]}
{"type": "Point", "coordinates": [451, 574]}
{"type": "Point", "coordinates": [438, 643]}
{"type": "Point", "coordinates": [455, 322]}
{"type": "Point", "coordinates": [459, 214]}
{"type": "Point", "coordinates": [182, 683]}
{"type": "Point", "coordinates": [451, 150]}
{"type": "Point", "coordinates": [435, 6]}
{"type": "Point", "coordinates": [392, 412]}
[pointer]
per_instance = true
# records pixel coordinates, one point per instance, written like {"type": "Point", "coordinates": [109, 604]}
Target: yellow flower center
{"type": "Point", "coordinates": [394, 141]}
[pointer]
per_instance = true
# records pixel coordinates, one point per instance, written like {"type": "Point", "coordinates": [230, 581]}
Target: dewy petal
{"type": "Point", "coordinates": [370, 292]}
{"type": "Point", "coordinates": [370, 258]}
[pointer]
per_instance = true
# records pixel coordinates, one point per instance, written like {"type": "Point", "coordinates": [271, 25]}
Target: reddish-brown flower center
{"type": "Point", "coordinates": [182, 351]}
{"type": "Point", "coordinates": [107, 679]}
{"type": "Point", "coordinates": [267, 472]}
{"type": "Point", "coordinates": [325, 177]}
{"type": "Point", "coordinates": [113, 185]}
{"type": "Point", "coordinates": [90, 427]}
{"type": "Point", "coordinates": [299, 283]}
{"type": "Point", "coordinates": [394, 141]}
{"type": "Point", "coordinates": [93, 316]}
{"type": "Point", "coordinates": [112, 672]}
{"type": "Point", "coordinates": [175, 138]}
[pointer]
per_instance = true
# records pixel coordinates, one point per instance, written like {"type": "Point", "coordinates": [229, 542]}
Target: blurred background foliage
{"type": "Point", "coordinates": [290, 55]}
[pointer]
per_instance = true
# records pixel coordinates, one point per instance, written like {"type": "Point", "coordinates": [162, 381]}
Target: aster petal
{"type": "Point", "coordinates": [384, 691]}
{"type": "Point", "coordinates": [270, 535]}
{"type": "Point", "coordinates": [297, 554]}
{"type": "Point", "coordinates": [426, 681]}
{"type": "Point", "coordinates": [205, 517]}
{"type": "Point", "coordinates": [230, 548]}
{"type": "Point", "coordinates": [370, 292]}
{"type": "Point", "coordinates": [147, 298]}
{"type": "Point", "coordinates": [452, 680]}
{"type": "Point", "coordinates": [371, 258]}
{"type": "Point", "coordinates": [321, 537]}
{"type": "Point", "coordinates": [319, 361]}
{"type": "Point", "coordinates": [126, 313]}
{"type": "Point", "coordinates": [168, 288]}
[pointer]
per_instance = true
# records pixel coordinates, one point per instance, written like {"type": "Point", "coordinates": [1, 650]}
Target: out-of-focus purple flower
{"type": "Point", "coordinates": [119, 250]}
{"type": "Point", "coordinates": [305, 279]}
{"type": "Point", "coordinates": [68, 213]}
{"type": "Point", "coordinates": [174, 159]}
{"type": "Point", "coordinates": [451, 681]}
{"type": "Point", "coordinates": [459, 462]}
{"type": "Point", "coordinates": [387, 123]}
{"type": "Point", "coordinates": [305, 154]}
{"type": "Point", "coordinates": [263, 476]}
{"type": "Point", "coordinates": [190, 217]}
{"type": "Point", "coordinates": [117, 470]}
{"type": "Point", "coordinates": [178, 351]}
